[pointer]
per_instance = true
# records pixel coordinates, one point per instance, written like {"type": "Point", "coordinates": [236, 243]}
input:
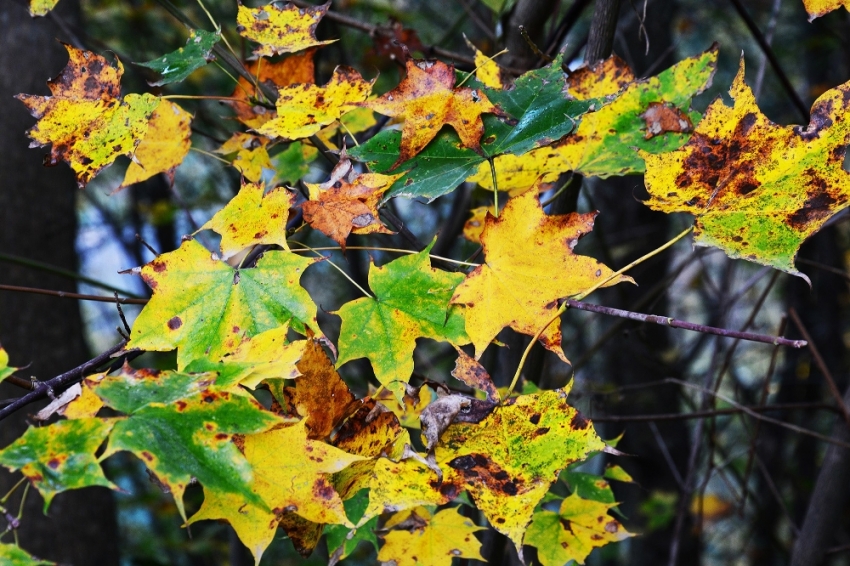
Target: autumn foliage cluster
{"type": "Point", "coordinates": [403, 461]}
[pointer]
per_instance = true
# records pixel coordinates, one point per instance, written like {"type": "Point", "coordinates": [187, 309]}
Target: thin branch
{"type": "Point", "coordinates": [77, 296]}
{"type": "Point", "coordinates": [61, 382]}
{"type": "Point", "coordinates": [715, 413]}
{"type": "Point", "coordinates": [821, 365]}
{"type": "Point", "coordinates": [774, 62]}
{"type": "Point", "coordinates": [674, 323]}
{"type": "Point", "coordinates": [63, 272]}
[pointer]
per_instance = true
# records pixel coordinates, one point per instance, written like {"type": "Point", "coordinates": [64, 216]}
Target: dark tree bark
{"type": "Point", "coordinates": [37, 221]}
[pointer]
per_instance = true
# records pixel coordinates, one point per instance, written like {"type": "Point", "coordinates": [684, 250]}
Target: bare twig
{"type": "Point", "coordinates": [78, 296]}
{"type": "Point", "coordinates": [714, 413]}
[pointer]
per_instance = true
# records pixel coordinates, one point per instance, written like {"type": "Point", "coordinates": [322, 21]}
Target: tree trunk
{"type": "Point", "coordinates": [37, 221]}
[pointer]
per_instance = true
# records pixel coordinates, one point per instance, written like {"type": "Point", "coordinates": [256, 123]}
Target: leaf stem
{"type": "Point", "coordinates": [379, 249]}
{"type": "Point", "coordinates": [472, 73]}
{"type": "Point", "coordinates": [338, 268]}
{"type": "Point", "coordinates": [495, 186]}
{"type": "Point", "coordinates": [208, 154]}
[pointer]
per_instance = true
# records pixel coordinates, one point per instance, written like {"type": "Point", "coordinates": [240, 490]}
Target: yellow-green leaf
{"type": "Point", "coordinates": [434, 540]}
{"type": "Point", "coordinates": [303, 109]}
{"type": "Point", "coordinates": [292, 474]}
{"type": "Point", "coordinates": [571, 534]}
{"type": "Point", "coordinates": [5, 370]}
{"type": "Point", "coordinates": [60, 457]}
{"type": "Point", "coordinates": [41, 7]}
{"type": "Point", "coordinates": [252, 157]}
{"type": "Point", "coordinates": [205, 308]}
{"type": "Point", "coordinates": [252, 217]}
{"type": "Point", "coordinates": [13, 555]}
{"type": "Point", "coordinates": [757, 189]}
{"type": "Point", "coordinates": [85, 120]}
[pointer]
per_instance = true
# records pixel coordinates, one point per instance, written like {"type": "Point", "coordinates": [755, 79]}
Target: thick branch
{"type": "Point", "coordinates": [61, 382]}
{"type": "Point", "coordinates": [600, 41]}
{"type": "Point", "coordinates": [674, 323]}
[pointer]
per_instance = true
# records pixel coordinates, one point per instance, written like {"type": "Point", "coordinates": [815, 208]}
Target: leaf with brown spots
{"type": "Point", "coordinates": [517, 286]}
{"type": "Point", "coordinates": [574, 531]}
{"type": "Point", "coordinates": [164, 146]}
{"type": "Point", "coordinates": [427, 99]}
{"type": "Point", "coordinates": [278, 30]}
{"type": "Point", "coordinates": [418, 537]}
{"type": "Point", "coordinates": [319, 396]}
{"type": "Point", "coordinates": [191, 438]}
{"type": "Point", "coordinates": [347, 203]}
{"type": "Point", "coordinates": [295, 69]}
{"type": "Point", "coordinates": [818, 8]}
{"type": "Point", "coordinates": [205, 308]}
{"type": "Point", "coordinates": [474, 375]}
{"type": "Point", "coordinates": [85, 119]}
{"type": "Point", "coordinates": [252, 217]}
{"type": "Point", "coordinates": [60, 457]}
{"type": "Point", "coordinates": [509, 459]}
{"type": "Point", "coordinates": [758, 190]}
{"type": "Point", "coordinates": [303, 109]}
{"type": "Point", "coordinates": [291, 474]}
{"type": "Point", "coordinates": [252, 157]}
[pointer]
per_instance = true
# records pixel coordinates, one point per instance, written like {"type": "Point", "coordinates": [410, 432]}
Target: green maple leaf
{"type": "Point", "coordinates": [60, 457]}
{"type": "Point", "coordinates": [191, 438]}
{"type": "Point", "coordinates": [177, 65]}
{"type": "Point", "coordinates": [411, 301]}
{"type": "Point", "coordinates": [205, 308]}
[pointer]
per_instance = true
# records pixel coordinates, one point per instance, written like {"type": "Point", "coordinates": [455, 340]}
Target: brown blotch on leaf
{"type": "Point", "coordinates": [663, 117]}
{"type": "Point", "coordinates": [175, 323]}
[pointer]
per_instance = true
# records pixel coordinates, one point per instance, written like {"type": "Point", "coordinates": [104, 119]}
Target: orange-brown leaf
{"type": "Point", "coordinates": [426, 99]}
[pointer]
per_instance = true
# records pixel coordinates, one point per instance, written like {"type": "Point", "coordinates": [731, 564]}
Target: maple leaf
{"type": "Point", "coordinates": [205, 308]}
{"type": "Point", "coordinates": [176, 66]}
{"type": "Point", "coordinates": [251, 155]}
{"type": "Point", "coordinates": [13, 555]}
{"type": "Point", "coordinates": [487, 71]}
{"type": "Point", "coordinates": [605, 141]}
{"type": "Point", "coordinates": [574, 531]}
{"type": "Point", "coordinates": [426, 99]}
{"type": "Point", "coordinates": [403, 484]}
{"type": "Point", "coordinates": [41, 7]}
{"type": "Point", "coordinates": [278, 30]}
{"type": "Point", "coordinates": [757, 189]}
{"type": "Point", "coordinates": [85, 120]}
{"type": "Point", "coordinates": [411, 301]}
{"type": "Point", "coordinates": [295, 69]}
{"type": "Point", "coordinates": [59, 457]}
{"type": "Point", "coordinates": [291, 473]}
{"type": "Point", "coordinates": [131, 390]}
{"type": "Point", "coordinates": [508, 460]}
{"type": "Point", "coordinates": [818, 8]}
{"type": "Point", "coordinates": [519, 285]}
{"type": "Point", "coordinates": [320, 395]}
{"type": "Point", "coordinates": [302, 109]}
{"type": "Point", "coordinates": [190, 438]}
{"type": "Point", "coordinates": [164, 146]}
{"type": "Point", "coordinates": [252, 218]}
{"type": "Point", "coordinates": [5, 370]}
{"type": "Point", "coordinates": [418, 537]}
{"type": "Point", "coordinates": [347, 203]}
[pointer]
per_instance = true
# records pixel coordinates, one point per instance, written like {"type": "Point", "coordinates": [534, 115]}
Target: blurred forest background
{"type": "Point", "coordinates": [713, 485]}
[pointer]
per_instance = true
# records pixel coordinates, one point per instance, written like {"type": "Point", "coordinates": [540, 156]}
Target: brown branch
{"type": "Point", "coordinates": [674, 323]}
{"type": "Point", "coordinates": [61, 382]}
{"type": "Point", "coordinates": [600, 41]}
{"type": "Point", "coordinates": [715, 413]}
{"type": "Point", "coordinates": [78, 296]}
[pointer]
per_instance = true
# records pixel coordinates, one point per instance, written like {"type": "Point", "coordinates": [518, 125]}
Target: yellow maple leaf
{"type": "Point", "coordinates": [251, 155]}
{"type": "Point", "coordinates": [41, 7]}
{"type": "Point", "coordinates": [486, 70]}
{"type": "Point", "coordinates": [418, 537]}
{"type": "Point", "coordinates": [280, 30]}
{"type": "Point", "coordinates": [251, 218]}
{"type": "Point", "coordinates": [303, 109]}
{"type": "Point", "coordinates": [519, 285]}
{"type": "Point", "coordinates": [291, 474]}
{"type": "Point", "coordinates": [85, 120]}
{"type": "Point", "coordinates": [426, 99]}
{"type": "Point", "coordinates": [163, 147]}
{"type": "Point", "coordinates": [475, 225]}
{"type": "Point", "coordinates": [818, 8]}
{"type": "Point", "coordinates": [269, 355]}
{"type": "Point", "coordinates": [294, 69]}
